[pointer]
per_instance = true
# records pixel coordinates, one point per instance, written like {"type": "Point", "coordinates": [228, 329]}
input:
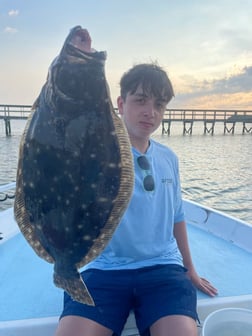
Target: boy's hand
{"type": "Point", "coordinates": [202, 284]}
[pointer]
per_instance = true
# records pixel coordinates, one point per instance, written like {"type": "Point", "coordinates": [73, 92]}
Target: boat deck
{"type": "Point", "coordinates": [21, 271]}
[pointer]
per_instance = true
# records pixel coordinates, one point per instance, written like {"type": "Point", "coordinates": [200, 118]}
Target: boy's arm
{"type": "Point", "coordinates": [180, 233]}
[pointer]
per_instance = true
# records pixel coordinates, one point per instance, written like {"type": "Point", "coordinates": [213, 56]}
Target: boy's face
{"type": "Point", "coordinates": [142, 114]}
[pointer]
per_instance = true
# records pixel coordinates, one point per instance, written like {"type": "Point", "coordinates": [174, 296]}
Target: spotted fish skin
{"type": "Point", "coordinates": [75, 171]}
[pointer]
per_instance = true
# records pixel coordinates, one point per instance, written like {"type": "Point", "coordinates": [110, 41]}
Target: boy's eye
{"type": "Point", "coordinates": [160, 106]}
{"type": "Point", "coordinates": [141, 100]}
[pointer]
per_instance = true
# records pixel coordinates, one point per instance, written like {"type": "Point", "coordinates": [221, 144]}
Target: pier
{"type": "Point", "coordinates": [9, 112]}
{"type": "Point", "coordinates": [187, 117]}
{"type": "Point", "coordinates": [208, 118]}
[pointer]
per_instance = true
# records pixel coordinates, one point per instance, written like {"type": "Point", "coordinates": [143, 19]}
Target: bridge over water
{"type": "Point", "coordinates": [187, 117]}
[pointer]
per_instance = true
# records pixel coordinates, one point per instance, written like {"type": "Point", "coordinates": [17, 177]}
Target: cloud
{"type": "Point", "coordinates": [240, 101]}
{"type": "Point", "coordinates": [10, 30]}
{"type": "Point", "coordinates": [13, 12]}
{"type": "Point", "coordinates": [233, 91]}
{"type": "Point", "coordinates": [241, 82]}
{"type": "Point", "coordinates": [235, 83]}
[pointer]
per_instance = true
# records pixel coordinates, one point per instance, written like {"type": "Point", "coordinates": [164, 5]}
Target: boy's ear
{"type": "Point", "coordinates": [120, 105]}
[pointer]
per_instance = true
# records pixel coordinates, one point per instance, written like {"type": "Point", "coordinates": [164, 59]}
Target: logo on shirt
{"type": "Point", "coordinates": [166, 180]}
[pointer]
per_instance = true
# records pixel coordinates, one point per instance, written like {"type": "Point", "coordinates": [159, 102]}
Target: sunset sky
{"type": "Point", "coordinates": [204, 45]}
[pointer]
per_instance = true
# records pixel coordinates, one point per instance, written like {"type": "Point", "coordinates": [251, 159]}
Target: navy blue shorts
{"type": "Point", "coordinates": [151, 292]}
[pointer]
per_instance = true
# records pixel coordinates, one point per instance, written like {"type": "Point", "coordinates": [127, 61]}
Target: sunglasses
{"type": "Point", "coordinates": [148, 181]}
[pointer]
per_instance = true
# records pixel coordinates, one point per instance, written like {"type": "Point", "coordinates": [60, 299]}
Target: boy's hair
{"type": "Point", "coordinates": [151, 77]}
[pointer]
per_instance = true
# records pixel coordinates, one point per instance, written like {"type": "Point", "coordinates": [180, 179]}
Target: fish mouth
{"type": "Point", "coordinates": [81, 39]}
{"type": "Point", "coordinates": [68, 72]}
{"type": "Point", "coordinates": [78, 46]}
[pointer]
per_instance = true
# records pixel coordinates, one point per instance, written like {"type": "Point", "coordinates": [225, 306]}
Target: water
{"type": "Point", "coordinates": [215, 170]}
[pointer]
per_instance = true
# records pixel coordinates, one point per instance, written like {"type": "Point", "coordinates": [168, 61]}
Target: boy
{"type": "Point", "coordinates": [147, 266]}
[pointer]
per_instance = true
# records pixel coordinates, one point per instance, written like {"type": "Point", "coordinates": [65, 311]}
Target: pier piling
{"type": "Point", "coordinates": [209, 129]}
{"type": "Point", "coordinates": [7, 126]}
{"type": "Point", "coordinates": [187, 127]}
{"type": "Point", "coordinates": [168, 129]}
{"type": "Point", "coordinates": [246, 129]}
{"type": "Point", "coordinates": [229, 129]}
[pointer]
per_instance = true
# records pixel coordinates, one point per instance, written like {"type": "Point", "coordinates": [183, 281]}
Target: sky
{"type": "Point", "coordinates": [204, 45]}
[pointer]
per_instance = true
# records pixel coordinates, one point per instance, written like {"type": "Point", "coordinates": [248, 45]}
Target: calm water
{"type": "Point", "coordinates": [215, 170]}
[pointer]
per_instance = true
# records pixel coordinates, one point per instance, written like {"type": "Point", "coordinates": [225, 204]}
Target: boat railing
{"type": "Point", "coordinates": [7, 191]}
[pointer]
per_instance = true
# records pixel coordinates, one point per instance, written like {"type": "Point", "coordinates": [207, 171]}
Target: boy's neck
{"type": "Point", "coordinates": [141, 145]}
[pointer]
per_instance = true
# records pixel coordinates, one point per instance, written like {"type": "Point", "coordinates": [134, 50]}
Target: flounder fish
{"type": "Point", "coordinates": [75, 170]}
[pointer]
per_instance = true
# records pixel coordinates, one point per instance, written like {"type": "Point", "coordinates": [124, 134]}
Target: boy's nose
{"type": "Point", "coordinates": [149, 109]}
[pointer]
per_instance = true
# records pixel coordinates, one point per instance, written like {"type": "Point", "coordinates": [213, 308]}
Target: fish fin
{"type": "Point", "coordinates": [75, 287]}
{"type": "Point", "coordinates": [21, 214]}
{"type": "Point", "coordinates": [27, 229]}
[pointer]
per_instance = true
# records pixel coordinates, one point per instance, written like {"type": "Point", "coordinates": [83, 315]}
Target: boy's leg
{"type": "Point", "coordinates": [174, 325]}
{"type": "Point", "coordinates": [112, 294]}
{"type": "Point", "coordinates": [77, 326]}
{"type": "Point", "coordinates": [165, 301]}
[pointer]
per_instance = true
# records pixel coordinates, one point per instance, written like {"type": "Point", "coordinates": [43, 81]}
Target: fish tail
{"type": "Point", "coordinates": [75, 287]}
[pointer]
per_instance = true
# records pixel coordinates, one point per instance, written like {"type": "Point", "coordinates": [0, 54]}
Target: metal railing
{"type": "Point", "coordinates": [23, 111]}
{"type": "Point", "coordinates": [208, 115]}
{"type": "Point", "coordinates": [15, 111]}
{"type": "Point", "coordinates": [7, 191]}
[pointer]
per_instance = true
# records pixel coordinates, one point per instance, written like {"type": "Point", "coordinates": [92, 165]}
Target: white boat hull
{"type": "Point", "coordinates": [213, 236]}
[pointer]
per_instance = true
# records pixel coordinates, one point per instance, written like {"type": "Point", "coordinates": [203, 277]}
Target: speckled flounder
{"type": "Point", "coordinates": [74, 176]}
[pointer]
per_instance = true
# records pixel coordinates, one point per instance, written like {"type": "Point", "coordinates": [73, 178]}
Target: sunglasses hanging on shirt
{"type": "Point", "coordinates": [148, 181]}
